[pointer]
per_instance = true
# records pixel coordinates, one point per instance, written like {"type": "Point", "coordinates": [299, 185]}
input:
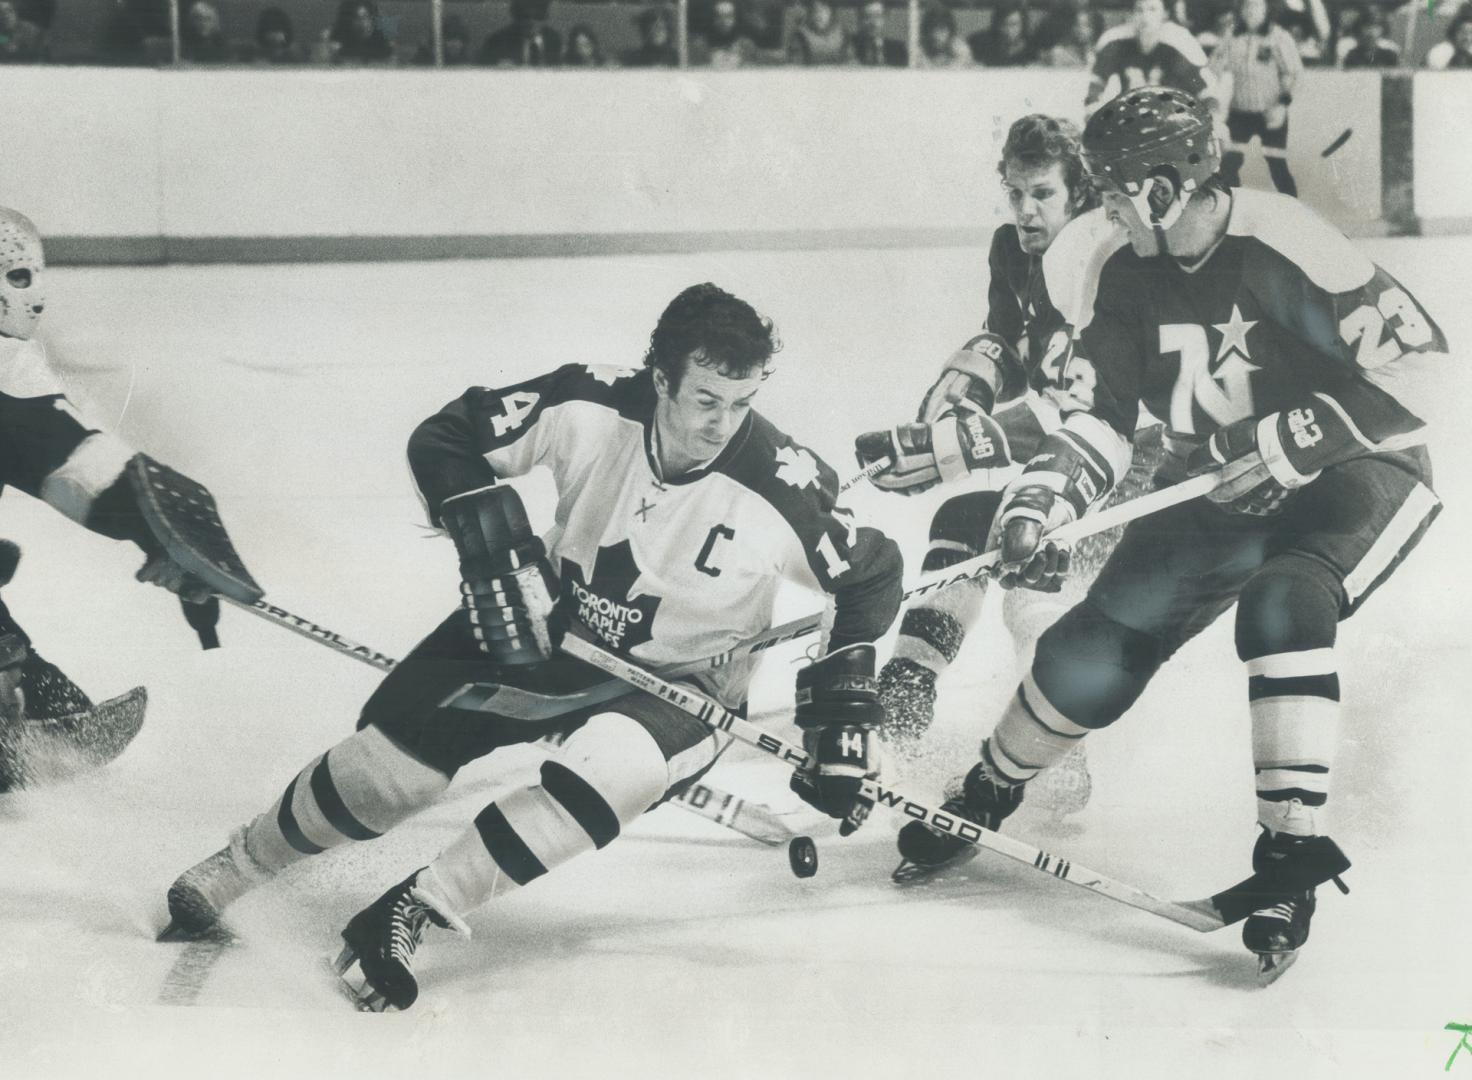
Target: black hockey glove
{"type": "Point", "coordinates": [1258, 470]}
{"type": "Point", "coordinates": [506, 583]}
{"type": "Point", "coordinates": [837, 709]}
{"type": "Point", "coordinates": [983, 371]}
{"type": "Point", "coordinates": [923, 455]}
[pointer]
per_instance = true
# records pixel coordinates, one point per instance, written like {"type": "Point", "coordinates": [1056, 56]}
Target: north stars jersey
{"type": "Point", "coordinates": [1018, 307]}
{"type": "Point", "coordinates": [1176, 61]}
{"type": "Point", "coordinates": [665, 569]}
{"type": "Point", "coordinates": [46, 450]}
{"type": "Point", "coordinates": [1284, 316]}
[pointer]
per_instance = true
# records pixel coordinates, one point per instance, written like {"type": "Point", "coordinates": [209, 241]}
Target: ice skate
{"type": "Point", "coordinates": [907, 692]}
{"type": "Point", "coordinates": [924, 852]}
{"type": "Point", "coordinates": [199, 896]}
{"type": "Point", "coordinates": [1278, 928]}
{"type": "Point", "coordinates": [376, 964]}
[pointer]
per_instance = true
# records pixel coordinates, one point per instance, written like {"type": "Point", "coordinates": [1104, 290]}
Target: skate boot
{"type": "Point", "coordinates": [200, 894]}
{"type": "Point", "coordinates": [907, 692]}
{"type": "Point", "coordinates": [1286, 869]}
{"type": "Point", "coordinates": [976, 797]}
{"type": "Point", "coordinates": [380, 942]}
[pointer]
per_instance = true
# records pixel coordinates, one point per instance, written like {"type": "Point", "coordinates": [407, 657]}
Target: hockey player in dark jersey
{"type": "Point", "coordinates": [679, 512]}
{"type": "Point", "coordinates": [1013, 371]}
{"type": "Point", "coordinates": [1282, 358]}
{"type": "Point", "coordinates": [49, 728]}
{"type": "Point", "coordinates": [1149, 50]}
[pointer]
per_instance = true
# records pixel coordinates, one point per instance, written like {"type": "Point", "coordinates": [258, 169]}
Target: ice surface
{"type": "Point", "coordinates": [681, 949]}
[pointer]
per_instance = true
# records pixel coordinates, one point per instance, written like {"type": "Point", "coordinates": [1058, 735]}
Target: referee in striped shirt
{"type": "Point", "coordinates": [1261, 60]}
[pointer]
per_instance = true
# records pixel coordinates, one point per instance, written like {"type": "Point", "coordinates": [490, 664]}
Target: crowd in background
{"type": "Point", "coordinates": [725, 34]}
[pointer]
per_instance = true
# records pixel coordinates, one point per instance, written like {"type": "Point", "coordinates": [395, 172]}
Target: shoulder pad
{"type": "Point", "coordinates": [25, 372]}
{"type": "Point", "coordinates": [1184, 42]}
{"type": "Point", "coordinates": [1321, 252]}
{"type": "Point", "coordinates": [1074, 260]}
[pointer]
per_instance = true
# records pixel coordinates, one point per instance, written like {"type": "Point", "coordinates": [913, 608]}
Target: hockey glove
{"type": "Point", "coordinates": [980, 373]}
{"type": "Point", "coordinates": [838, 709]}
{"type": "Point", "coordinates": [1073, 469]}
{"type": "Point", "coordinates": [1260, 470]}
{"type": "Point", "coordinates": [506, 583]}
{"type": "Point", "coordinates": [923, 455]}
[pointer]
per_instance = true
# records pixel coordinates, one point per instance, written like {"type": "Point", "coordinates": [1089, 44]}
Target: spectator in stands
{"type": "Point", "coordinates": [357, 35]}
{"type": "Point", "coordinates": [1260, 58]}
{"type": "Point", "coordinates": [20, 42]}
{"type": "Point", "coordinates": [527, 42]}
{"type": "Point", "coordinates": [764, 22]}
{"type": "Point", "coordinates": [454, 41]}
{"type": "Point", "coordinates": [1308, 22]}
{"type": "Point", "coordinates": [201, 39]}
{"type": "Point", "coordinates": [939, 45]}
{"type": "Point", "coordinates": [1006, 42]}
{"type": "Point", "coordinates": [583, 49]}
{"type": "Point", "coordinates": [721, 44]}
{"type": "Point", "coordinates": [1073, 47]}
{"type": "Point", "coordinates": [1456, 50]}
{"type": "Point", "coordinates": [656, 41]}
{"type": "Point", "coordinates": [275, 39]}
{"type": "Point", "coordinates": [1371, 49]}
{"type": "Point", "coordinates": [871, 47]}
{"type": "Point", "coordinates": [820, 39]}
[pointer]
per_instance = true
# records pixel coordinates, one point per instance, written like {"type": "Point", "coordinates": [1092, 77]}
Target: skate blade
{"type": "Point", "coordinates": [348, 975]}
{"type": "Point", "coordinates": [1270, 966]}
{"type": "Point", "coordinates": [913, 873]}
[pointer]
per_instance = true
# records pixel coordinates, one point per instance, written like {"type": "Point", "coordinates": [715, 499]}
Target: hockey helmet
{"type": "Point", "coordinates": [1156, 145]}
{"type": "Point", "coordinates": [22, 275]}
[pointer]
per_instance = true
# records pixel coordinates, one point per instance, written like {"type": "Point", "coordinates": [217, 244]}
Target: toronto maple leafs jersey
{"type": "Point", "coordinates": [46, 450]}
{"type": "Point", "coordinates": [665, 569]}
{"type": "Point", "coordinates": [1284, 316]}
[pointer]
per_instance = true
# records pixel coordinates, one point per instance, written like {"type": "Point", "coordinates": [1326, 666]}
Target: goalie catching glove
{"type": "Point", "coordinates": [1263, 461]}
{"type": "Point", "coordinates": [838, 709]}
{"type": "Point", "coordinates": [506, 583]}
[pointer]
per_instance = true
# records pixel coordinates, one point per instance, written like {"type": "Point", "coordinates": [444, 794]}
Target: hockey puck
{"type": "Point", "coordinates": [802, 853]}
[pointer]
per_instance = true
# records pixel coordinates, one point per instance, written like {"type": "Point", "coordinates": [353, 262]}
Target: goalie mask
{"type": "Point", "coordinates": [22, 276]}
{"type": "Point", "coordinates": [1156, 146]}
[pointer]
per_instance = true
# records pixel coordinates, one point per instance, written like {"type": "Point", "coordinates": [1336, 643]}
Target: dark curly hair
{"type": "Point", "coordinates": [1037, 140]}
{"type": "Point", "coordinates": [716, 330]}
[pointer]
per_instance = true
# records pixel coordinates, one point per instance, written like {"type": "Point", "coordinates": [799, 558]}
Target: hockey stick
{"type": "Point", "coordinates": [751, 819]}
{"type": "Point", "coordinates": [513, 703]}
{"type": "Point", "coordinates": [874, 468]}
{"type": "Point", "coordinates": [1204, 915]}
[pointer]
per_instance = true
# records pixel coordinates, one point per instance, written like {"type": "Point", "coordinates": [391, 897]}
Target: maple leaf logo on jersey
{"type": "Point", "coordinates": [603, 603]}
{"type": "Point", "coordinates": [608, 374]}
{"type": "Point", "coordinates": [797, 467]}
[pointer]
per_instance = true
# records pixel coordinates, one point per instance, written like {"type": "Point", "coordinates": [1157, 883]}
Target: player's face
{"type": "Point", "coordinates": [1040, 203]}
{"type": "Point", "coordinates": [1254, 13]}
{"type": "Point", "coordinates": [1149, 15]}
{"type": "Point", "coordinates": [699, 418]}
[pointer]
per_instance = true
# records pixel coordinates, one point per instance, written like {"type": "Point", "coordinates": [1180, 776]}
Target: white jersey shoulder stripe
{"type": "Point", "coordinates": [1123, 32]}
{"type": "Point", "coordinates": [1306, 240]}
{"type": "Point", "coordinates": [1074, 261]}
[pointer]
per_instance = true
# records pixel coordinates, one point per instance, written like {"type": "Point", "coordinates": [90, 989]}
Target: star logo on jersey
{"type": "Point", "coordinates": [608, 374]}
{"type": "Point", "coordinates": [1234, 336]}
{"type": "Point", "coordinates": [797, 467]}
{"type": "Point", "coordinates": [608, 602]}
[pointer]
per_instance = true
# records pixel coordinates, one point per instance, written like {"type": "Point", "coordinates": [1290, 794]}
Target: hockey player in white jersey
{"type": "Point", "coordinates": [49, 728]}
{"type": "Point", "coordinates": [679, 512]}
